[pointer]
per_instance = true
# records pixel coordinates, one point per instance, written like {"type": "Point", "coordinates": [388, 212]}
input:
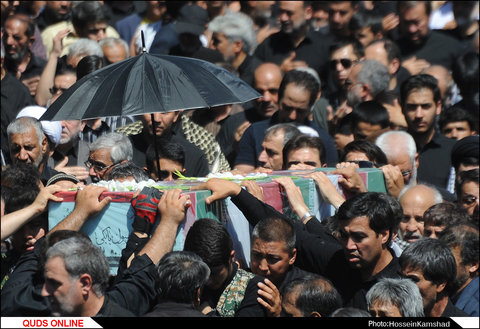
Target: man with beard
{"type": "Point", "coordinates": [366, 80]}
{"type": "Point", "coordinates": [415, 201]}
{"type": "Point", "coordinates": [18, 37]}
{"type": "Point", "coordinates": [234, 36]}
{"type": "Point", "coordinates": [162, 128]}
{"type": "Point", "coordinates": [28, 143]}
{"type": "Point", "coordinates": [71, 152]}
{"type": "Point", "coordinates": [296, 44]}
{"type": "Point", "coordinates": [462, 239]}
{"type": "Point", "coordinates": [419, 42]}
{"type": "Point", "coordinates": [53, 12]}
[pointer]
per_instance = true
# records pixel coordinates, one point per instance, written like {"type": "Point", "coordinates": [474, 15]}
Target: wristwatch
{"type": "Point", "coordinates": [307, 215]}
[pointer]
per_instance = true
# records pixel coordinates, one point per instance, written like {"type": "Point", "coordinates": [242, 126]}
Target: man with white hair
{"type": "Point", "coordinates": [415, 200]}
{"type": "Point", "coordinates": [30, 144]}
{"type": "Point", "coordinates": [107, 151]}
{"type": "Point", "coordinates": [234, 36]}
{"type": "Point", "coordinates": [366, 80]}
{"type": "Point", "coordinates": [401, 151]}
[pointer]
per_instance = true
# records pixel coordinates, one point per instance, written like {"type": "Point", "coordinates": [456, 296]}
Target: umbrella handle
{"type": "Point", "coordinates": [144, 49]}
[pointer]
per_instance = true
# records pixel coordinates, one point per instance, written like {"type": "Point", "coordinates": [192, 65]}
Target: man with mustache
{"type": "Point", "coordinates": [420, 45]}
{"type": "Point", "coordinates": [415, 201]}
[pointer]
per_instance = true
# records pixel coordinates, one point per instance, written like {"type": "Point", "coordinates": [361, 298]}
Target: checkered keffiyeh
{"type": "Point", "coordinates": [196, 135]}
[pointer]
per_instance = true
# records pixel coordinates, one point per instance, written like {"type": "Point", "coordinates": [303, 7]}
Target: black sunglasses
{"type": "Point", "coordinates": [346, 63]}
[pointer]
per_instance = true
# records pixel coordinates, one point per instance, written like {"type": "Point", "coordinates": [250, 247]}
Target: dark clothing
{"type": "Point", "coordinates": [196, 163]}
{"type": "Point", "coordinates": [434, 161]}
{"type": "Point", "coordinates": [172, 309]}
{"type": "Point", "coordinates": [229, 125]}
{"type": "Point", "coordinates": [206, 54]}
{"type": "Point", "coordinates": [34, 67]}
{"type": "Point", "coordinates": [250, 145]}
{"type": "Point", "coordinates": [438, 49]}
{"type": "Point", "coordinates": [77, 154]}
{"type": "Point", "coordinates": [292, 274]}
{"type": "Point", "coordinates": [319, 252]}
{"type": "Point", "coordinates": [47, 173]}
{"type": "Point", "coordinates": [165, 39]}
{"type": "Point", "coordinates": [348, 280]}
{"type": "Point", "coordinates": [134, 291]}
{"type": "Point", "coordinates": [15, 96]}
{"type": "Point", "coordinates": [246, 70]}
{"type": "Point", "coordinates": [452, 311]}
{"type": "Point", "coordinates": [112, 309]}
{"type": "Point", "coordinates": [313, 50]}
{"type": "Point", "coordinates": [467, 41]}
{"type": "Point", "coordinates": [249, 307]}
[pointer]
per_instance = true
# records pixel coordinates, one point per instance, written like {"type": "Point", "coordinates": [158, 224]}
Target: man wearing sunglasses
{"type": "Point", "coordinates": [344, 53]}
{"type": "Point", "coordinates": [107, 151]}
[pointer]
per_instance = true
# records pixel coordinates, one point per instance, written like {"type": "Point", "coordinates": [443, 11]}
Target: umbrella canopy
{"type": "Point", "coordinates": [150, 83]}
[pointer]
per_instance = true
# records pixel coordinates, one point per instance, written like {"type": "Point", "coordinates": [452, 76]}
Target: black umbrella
{"type": "Point", "coordinates": [149, 83]}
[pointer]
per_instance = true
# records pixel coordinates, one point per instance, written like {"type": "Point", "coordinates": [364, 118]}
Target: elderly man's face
{"type": "Point", "coordinates": [414, 203]}
{"type": "Point", "coordinates": [70, 130]}
{"type": "Point", "coordinates": [65, 294]}
{"type": "Point", "coordinates": [271, 156]}
{"type": "Point", "coordinates": [15, 39]}
{"type": "Point", "coordinates": [100, 164]}
{"type": "Point", "coordinates": [25, 147]}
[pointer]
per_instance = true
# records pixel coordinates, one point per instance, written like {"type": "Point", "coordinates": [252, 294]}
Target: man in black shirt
{"type": "Point", "coordinates": [196, 163]}
{"type": "Point", "coordinates": [416, 38]}
{"type": "Point", "coordinates": [296, 45]}
{"type": "Point", "coordinates": [362, 256]}
{"type": "Point", "coordinates": [421, 103]}
{"type": "Point", "coordinates": [18, 38]}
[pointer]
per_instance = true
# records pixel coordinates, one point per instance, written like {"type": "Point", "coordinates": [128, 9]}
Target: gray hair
{"type": "Point", "coordinates": [180, 275]}
{"type": "Point", "coordinates": [236, 27]}
{"type": "Point", "coordinates": [81, 256]}
{"type": "Point", "coordinates": [390, 142]}
{"type": "Point", "coordinates": [289, 130]}
{"type": "Point", "coordinates": [111, 42]}
{"type": "Point", "coordinates": [374, 74]}
{"type": "Point", "coordinates": [119, 145]}
{"type": "Point", "coordinates": [437, 196]}
{"type": "Point", "coordinates": [127, 169]}
{"type": "Point", "coordinates": [23, 124]}
{"type": "Point", "coordinates": [402, 293]}
{"type": "Point", "coordinates": [85, 47]}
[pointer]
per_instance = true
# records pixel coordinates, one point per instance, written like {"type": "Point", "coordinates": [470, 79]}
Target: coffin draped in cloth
{"type": "Point", "coordinates": [110, 229]}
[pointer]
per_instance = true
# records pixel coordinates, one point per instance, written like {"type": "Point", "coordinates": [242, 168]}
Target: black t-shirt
{"type": "Point", "coordinates": [313, 50]}
{"type": "Point", "coordinates": [438, 49]}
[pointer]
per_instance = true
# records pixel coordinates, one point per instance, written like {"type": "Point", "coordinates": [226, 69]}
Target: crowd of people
{"type": "Point", "coordinates": [344, 85]}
